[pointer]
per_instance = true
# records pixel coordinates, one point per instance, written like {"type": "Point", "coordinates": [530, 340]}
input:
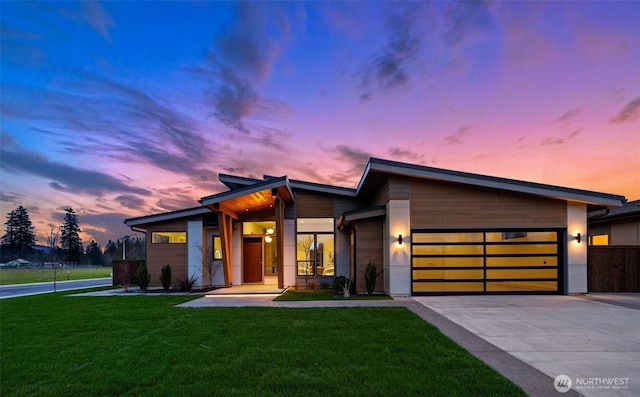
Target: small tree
{"type": "Point", "coordinates": [209, 263]}
{"type": "Point", "coordinates": [70, 236]}
{"type": "Point", "coordinates": [165, 277]}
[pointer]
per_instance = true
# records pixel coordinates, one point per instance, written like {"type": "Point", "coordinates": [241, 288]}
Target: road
{"type": "Point", "coordinates": [16, 290]}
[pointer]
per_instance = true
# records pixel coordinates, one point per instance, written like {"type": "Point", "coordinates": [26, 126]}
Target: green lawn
{"type": "Point", "coordinates": [24, 276]}
{"type": "Point", "coordinates": [321, 295]}
{"type": "Point", "coordinates": [53, 345]}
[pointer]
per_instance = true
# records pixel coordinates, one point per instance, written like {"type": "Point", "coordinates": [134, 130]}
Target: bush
{"type": "Point", "coordinates": [187, 284]}
{"type": "Point", "coordinates": [143, 276]}
{"type": "Point", "coordinates": [370, 276]}
{"type": "Point", "coordinates": [339, 284]}
{"type": "Point", "coordinates": [165, 277]}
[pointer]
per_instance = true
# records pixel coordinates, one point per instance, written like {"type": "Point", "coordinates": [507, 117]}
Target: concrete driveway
{"type": "Point", "coordinates": [594, 340]}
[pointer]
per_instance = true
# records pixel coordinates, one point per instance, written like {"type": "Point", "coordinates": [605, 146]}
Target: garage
{"type": "Point", "coordinates": [486, 261]}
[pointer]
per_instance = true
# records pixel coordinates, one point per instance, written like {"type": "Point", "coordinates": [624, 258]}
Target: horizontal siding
{"type": "Point", "coordinates": [449, 205]}
{"type": "Point", "coordinates": [368, 249]}
{"type": "Point", "coordinates": [399, 188]}
{"type": "Point", "coordinates": [314, 205]}
{"type": "Point", "coordinates": [159, 255]}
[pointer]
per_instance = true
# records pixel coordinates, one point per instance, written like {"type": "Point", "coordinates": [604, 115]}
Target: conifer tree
{"type": "Point", "coordinates": [70, 236]}
{"type": "Point", "coordinates": [19, 236]}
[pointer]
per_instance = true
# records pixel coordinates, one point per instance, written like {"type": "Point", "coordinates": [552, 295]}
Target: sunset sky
{"type": "Point", "coordinates": [122, 109]}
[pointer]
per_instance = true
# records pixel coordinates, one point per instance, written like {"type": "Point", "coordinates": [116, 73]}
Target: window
{"type": "Point", "coordinates": [599, 239]}
{"type": "Point", "coordinates": [315, 247]}
{"type": "Point", "coordinates": [169, 237]}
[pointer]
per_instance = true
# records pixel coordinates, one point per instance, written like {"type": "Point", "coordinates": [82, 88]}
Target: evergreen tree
{"type": "Point", "coordinates": [19, 236]}
{"type": "Point", "coordinates": [70, 237]}
{"type": "Point", "coordinates": [94, 254]}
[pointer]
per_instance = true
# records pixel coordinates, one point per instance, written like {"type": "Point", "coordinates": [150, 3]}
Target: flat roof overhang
{"type": "Point", "coordinates": [254, 198]}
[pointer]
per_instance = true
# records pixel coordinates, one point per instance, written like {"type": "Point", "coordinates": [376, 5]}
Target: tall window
{"type": "Point", "coordinates": [315, 247]}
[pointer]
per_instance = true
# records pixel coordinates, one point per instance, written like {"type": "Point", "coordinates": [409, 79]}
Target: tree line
{"type": "Point", "coordinates": [63, 242]}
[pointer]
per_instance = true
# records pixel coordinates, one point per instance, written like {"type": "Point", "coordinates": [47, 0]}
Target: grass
{"type": "Point", "coordinates": [53, 345]}
{"type": "Point", "coordinates": [321, 295]}
{"type": "Point", "coordinates": [25, 276]}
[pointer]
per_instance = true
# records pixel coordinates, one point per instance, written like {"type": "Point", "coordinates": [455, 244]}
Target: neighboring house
{"type": "Point", "coordinates": [432, 231]}
{"type": "Point", "coordinates": [18, 263]}
{"type": "Point", "coordinates": [616, 226]}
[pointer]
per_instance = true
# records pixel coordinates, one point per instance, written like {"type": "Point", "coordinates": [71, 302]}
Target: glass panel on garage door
{"type": "Point", "coordinates": [485, 261]}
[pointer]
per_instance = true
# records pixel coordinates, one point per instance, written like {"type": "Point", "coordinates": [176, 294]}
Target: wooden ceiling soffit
{"type": "Point", "coordinates": [249, 203]}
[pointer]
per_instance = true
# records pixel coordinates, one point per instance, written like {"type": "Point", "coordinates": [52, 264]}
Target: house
{"type": "Point", "coordinates": [431, 231]}
{"type": "Point", "coordinates": [18, 263]}
{"type": "Point", "coordinates": [616, 226]}
{"type": "Point", "coordinates": [614, 249]}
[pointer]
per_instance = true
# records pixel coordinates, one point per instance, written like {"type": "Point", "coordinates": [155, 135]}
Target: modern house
{"type": "Point", "coordinates": [431, 231]}
{"type": "Point", "coordinates": [617, 226]}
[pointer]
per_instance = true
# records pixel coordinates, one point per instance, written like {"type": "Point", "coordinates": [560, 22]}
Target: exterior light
{"type": "Point", "coordinates": [269, 231]}
{"type": "Point", "coordinates": [578, 238]}
{"type": "Point", "coordinates": [399, 239]}
{"type": "Point", "coordinates": [268, 239]}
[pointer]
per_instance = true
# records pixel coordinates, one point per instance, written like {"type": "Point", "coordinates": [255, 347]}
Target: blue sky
{"type": "Point", "coordinates": [126, 108]}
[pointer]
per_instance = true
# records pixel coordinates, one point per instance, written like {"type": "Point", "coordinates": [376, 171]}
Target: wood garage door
{"type": "Point", "coordinates": [486, 261]}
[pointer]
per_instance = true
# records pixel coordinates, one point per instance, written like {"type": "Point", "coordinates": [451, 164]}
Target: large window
{"type": "Point", "coordinates": [168, 237]}
{"type": "Point", "coordinates": [315, 247]}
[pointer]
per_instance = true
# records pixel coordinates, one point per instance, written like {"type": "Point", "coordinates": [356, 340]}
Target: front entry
{"type": "Point", "coordinates": [252, 260]}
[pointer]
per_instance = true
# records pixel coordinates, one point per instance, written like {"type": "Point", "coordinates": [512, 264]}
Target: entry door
{"type": "Point", "coordinates": [252, 260]}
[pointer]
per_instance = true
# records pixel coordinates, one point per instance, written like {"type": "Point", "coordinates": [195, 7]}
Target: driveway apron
{"type": "Point", "coordinates": [593, 340]}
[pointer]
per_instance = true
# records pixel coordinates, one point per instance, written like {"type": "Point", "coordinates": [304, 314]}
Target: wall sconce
{"type": "Point", "coordinates": [268, 239]}
{"type": "Point", "coordinates": [399, 239]}
{"type": "Point", "coordinates": [578, 238]}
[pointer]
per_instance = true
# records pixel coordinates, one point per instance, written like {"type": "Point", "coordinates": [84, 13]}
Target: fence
{"type": "Point", "coordinates": [614, 268]}
{"type": "Point", "coordinates": [124, 272]}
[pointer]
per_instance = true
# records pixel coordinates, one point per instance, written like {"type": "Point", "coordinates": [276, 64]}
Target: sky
{"type": "Point", "coordinates": [121, 109]}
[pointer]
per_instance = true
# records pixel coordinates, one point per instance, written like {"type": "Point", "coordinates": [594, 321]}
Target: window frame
{"type": "Point", "coordinates": [314, 234]}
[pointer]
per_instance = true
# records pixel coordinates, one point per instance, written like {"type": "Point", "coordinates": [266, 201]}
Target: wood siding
{"type": "Point", "coordinates": [314, 205]}
{"type": "Point", "coordinates": [368, 249]}
{"type": "Point", "coordinates": [158, 255]}
{"type": "Point", "coordinates": [450, 205]}
{"type": "Point", "coordinates": [614, 269]}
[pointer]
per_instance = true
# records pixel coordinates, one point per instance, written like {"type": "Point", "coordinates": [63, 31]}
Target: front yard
{"type": "Point", "coordinates": [54, 345]}
{"type": "Point", "coordinates": [44, 274]}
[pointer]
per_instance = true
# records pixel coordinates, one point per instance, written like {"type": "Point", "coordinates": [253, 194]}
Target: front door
{"type": "Point", "coordinates": [252, 260]}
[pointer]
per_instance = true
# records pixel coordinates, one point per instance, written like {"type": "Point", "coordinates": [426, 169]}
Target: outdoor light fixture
{"type": "Point", "coordinates": [578, 238]}
{"type": "Point", "coordinates": [399, 239]}
{"type": "Point", "coordinates": [269, 231]}
{"type": "Point", "coordinates": [267, 239]}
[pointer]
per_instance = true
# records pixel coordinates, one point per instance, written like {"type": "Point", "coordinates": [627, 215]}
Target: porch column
{"type": "Point", "coordinates": [226, 231]}
{"type": "Point", "coordinates": [279, 207]}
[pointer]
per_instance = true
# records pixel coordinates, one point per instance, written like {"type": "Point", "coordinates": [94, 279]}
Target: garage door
{"type": "Point", "coordinates": [485, 261]}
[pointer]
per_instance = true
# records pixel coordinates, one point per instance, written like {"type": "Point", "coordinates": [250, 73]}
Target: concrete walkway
{"type": "Point", "coordinates": [594, 340]}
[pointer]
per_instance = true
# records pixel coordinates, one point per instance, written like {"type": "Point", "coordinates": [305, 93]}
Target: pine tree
{"type": "Point", "coordinates": [19, 234]}
{"type": "Point", "coordinates": [70, 236]}
{"type": "Point", "coordinates": [94, 253]}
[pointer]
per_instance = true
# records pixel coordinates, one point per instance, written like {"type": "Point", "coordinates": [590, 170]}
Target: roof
{"type": "Point", "coordinates": [256, 197]}
{"type": "Point", "coordinates": [166, 216]}
{"type": "Point", "coordinates": [629, 210]}
{"type": "Point", "coordinates": [234, 182]}
{"type": "Point", "coordinates": [380, 166]}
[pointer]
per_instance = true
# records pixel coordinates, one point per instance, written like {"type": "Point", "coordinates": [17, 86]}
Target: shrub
{"type": "Point", "coordinates": [370, 276]}
{"type": "Point", "coordinates": [187, 284]}
{"type": "Point", "coordinates": [311, 284]}
{"type": "Point", "coordinates": [143, 276]}
{"type": "Point", "coordinates": [165, 277]}
{"type": "Point", "coordinates": [342, 286]}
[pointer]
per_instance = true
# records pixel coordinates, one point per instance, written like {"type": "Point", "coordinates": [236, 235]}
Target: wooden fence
{"type": "Point", "coordinates": [614, 268]}
{"type": "Point", "coordinates": [124, 272]}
